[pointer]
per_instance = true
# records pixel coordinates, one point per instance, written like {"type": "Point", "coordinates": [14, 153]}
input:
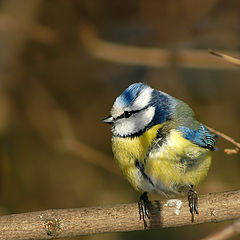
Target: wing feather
{"type": "Point", "coordinates": [202, 136]}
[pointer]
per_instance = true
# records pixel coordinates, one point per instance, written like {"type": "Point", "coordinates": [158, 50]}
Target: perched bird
{"type": "Point", "coordinates": [159, 145]}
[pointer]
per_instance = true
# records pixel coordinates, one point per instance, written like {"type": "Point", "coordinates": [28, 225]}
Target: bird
{"type": "Point", "coordinates": [159, 145]}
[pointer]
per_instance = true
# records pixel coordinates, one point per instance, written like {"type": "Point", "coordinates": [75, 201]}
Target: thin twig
{"type": "Point", "coordinates": [213, 207]}
{"type": "Point", "coordinates": [226, 57]}
{"type": "Point", "coordinates": [229, 139]}
{"type": "Point", "coordinates": [231, 151]}
{"type": "Point", "coordinates": [227, 232]}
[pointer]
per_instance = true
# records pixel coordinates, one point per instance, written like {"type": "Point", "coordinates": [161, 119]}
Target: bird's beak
{"type": "Point", "coordinates": [108, 120]}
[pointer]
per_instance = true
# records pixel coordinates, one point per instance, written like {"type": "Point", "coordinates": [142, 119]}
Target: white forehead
{"type": "Point", "coordinates": [143, 99]}
{"type": "Point", "coordinates": [137, 102]}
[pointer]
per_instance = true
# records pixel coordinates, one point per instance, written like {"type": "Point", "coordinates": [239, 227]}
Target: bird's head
{"type": "Point", "coordinates": [139, 108]}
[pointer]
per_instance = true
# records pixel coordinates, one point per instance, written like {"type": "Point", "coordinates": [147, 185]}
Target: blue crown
{"type": "Point", "coordinates": [130, 94]}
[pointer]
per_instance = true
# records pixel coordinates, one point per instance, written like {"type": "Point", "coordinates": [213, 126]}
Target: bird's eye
{"type": "Point", "coordinates": [127, 114]}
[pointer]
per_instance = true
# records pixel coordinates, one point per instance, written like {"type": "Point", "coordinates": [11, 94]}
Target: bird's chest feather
{"type": "Point", "coordinates": [129, 150]}
{"type": "Point", "coordinates": [162, 166]}
{"type": "Point", "coordinates": [177, 163]}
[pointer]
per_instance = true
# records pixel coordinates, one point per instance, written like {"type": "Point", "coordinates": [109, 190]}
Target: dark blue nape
{"type": "Point", "coordinates": [162, 105]}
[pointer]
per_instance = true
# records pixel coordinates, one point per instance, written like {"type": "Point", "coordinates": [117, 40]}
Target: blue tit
{"type": "Point", "coordinates": [159, 145]}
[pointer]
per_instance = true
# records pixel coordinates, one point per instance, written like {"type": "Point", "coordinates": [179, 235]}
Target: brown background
{"type": "Point", "coordinates": [54, 149]}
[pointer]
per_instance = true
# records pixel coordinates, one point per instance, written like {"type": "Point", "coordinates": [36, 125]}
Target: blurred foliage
{"type": "Point", "coordinates": [53, 91]}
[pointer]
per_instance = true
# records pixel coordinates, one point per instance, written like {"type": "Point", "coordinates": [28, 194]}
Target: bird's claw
{"type": "Point", "coordinates": [193, 202]}
{"type": "Point", "coordinates": [143, 208]}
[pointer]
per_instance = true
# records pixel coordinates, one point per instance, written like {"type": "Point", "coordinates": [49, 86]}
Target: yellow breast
{"type": "Point", "coordinates": [127, 150]}
{"type": "Point", "coordinates": [175, 164]}
{"type": "Point", "coordinates": [178, 163]}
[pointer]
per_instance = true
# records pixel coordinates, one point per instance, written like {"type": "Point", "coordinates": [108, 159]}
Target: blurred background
{"type": "Point", "coordinates": [62, 64]}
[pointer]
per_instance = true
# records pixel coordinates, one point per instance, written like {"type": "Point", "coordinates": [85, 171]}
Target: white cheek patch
{"type": "Point", "coordinates": [135, 123]}
{"type": "Point", "coordinates": [143, 99]}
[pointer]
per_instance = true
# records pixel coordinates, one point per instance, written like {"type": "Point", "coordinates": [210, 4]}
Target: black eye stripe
{"type": "Point", "coordinates": [128, 114]}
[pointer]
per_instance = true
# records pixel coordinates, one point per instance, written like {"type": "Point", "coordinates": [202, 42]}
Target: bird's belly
{"type": "Point", "coordinates": [177, 164]}
{"type": "Point", "coordinates": [167, 169]}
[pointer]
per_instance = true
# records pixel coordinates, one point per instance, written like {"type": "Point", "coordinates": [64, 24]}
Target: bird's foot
{"type": "Point", "coordinates": [143, 208]}
{"type": "Point", "coordinates": [193, 201]}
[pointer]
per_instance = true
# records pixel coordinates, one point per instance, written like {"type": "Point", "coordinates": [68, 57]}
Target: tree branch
{"type": "Point", "coordinates": [49, 224]}
{"type": "Point", "coordinates": [145, 56]}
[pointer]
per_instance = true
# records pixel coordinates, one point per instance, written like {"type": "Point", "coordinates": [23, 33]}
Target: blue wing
{"type": "Point", "coordinates": [202, 136]}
